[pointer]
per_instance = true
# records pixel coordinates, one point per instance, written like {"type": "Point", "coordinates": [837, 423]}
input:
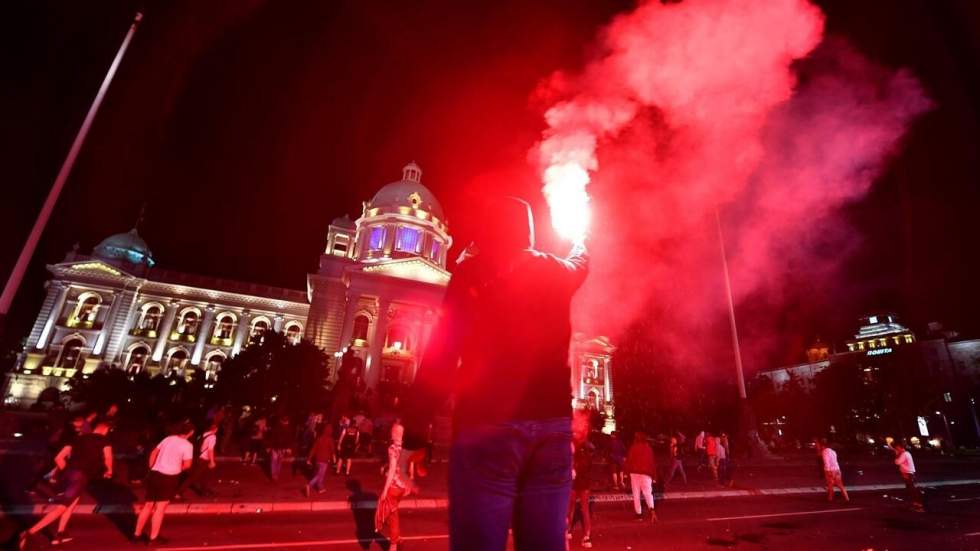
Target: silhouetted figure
{"type": "Point", "coordinates": [501, 345]}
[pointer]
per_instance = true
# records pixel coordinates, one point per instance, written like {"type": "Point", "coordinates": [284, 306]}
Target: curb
{"type": "Point", "coordinates": [259, 507]}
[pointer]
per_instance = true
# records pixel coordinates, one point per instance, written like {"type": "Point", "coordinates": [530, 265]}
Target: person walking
{"type": "Point", "coordinates": [724, 461]}
{"type": "Point", "coordinates": [347, 446]}
{"type": "Point", "coordinates": [87, 458]}
{"type": "Point", "coordinates": [582, 455]}
{"type": "Point", "coordinates": [321, 454]}
{"type": "Point", "coordinates": [172, 456]}
{"type": "Point", "coordinates": [396, 487]}
{"type": "Point", "coordinates": [700, 448]}
{"type": "Point", "coordinates": [256, 440]}
{"type": "Point", "coordinates": [831, 470]}
{"type": "Point", "coordinates": [204, 463]}
{"type": "Point", "coordinates": [642, 468]}
{"type": "Point", "coordinates": [906, 467]}
{"type": "Point", "coordinates": [280, 445]}
{"type": "Point", "coordinates": [501, 348]}
{"type": "Point", "coordinates": [617, 457]}
{"type": "Point", "coordinates": [711, 451]}
{"type": "Point", "coordinates": [676, 461]}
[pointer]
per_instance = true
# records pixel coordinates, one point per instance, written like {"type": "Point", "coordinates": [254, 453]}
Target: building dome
{"type": "Point", "coordinates": [126, 247]}
{"type": "Point", "coordinates": [408, 192]}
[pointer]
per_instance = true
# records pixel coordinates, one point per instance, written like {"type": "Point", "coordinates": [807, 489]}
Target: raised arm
{"type": "Point", "coordinates": [107, 459]}
{"type": "Point", "coordinates": [61, 460]}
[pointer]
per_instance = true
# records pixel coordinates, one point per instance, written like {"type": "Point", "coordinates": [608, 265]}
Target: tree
{"type": "Point", "coordinates": [275, 371]}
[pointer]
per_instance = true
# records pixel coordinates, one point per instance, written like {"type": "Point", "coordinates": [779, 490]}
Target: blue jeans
{"type": "Point", "coordinates": [317, 481]}
{"type": "Point", "coordinates": [518, 471]}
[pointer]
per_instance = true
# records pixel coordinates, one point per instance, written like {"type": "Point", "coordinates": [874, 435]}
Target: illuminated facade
{"type": "Point", "coordinates": [378, 290]}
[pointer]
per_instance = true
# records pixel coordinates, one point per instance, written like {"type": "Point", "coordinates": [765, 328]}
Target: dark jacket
{"type": "Point", "coordinates": [505, 323]}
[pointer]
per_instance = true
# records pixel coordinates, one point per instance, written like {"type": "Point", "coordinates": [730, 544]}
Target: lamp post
{"type": "Point", "coordinates": [17, 275]}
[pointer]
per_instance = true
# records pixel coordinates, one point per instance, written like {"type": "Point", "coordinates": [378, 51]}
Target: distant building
{"type": "Point", "coordinates": [377, 291]}
{"type": "Point", "coordinates": [878, 343]}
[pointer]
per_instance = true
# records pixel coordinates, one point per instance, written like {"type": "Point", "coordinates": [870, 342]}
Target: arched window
{"type": "Point", "coordinates": [259, 327]}
{"type": "Point", "coordinates": [435, 250]}
{"type": "Point", "coordinates": [137, 359]}
{"type": "Point", "coordinates": [189, 320]}
{"type": "Point", "coordinates": [213, 365]}
{"type": "Point", "coordinates": [594, 401]}
{"type": "Point", "coordinates": [361, 324]}
{"type": "Point", "coordinates": [224, 327]}
{"type": "Point", "coordinates": [86, 310]}
{"type": "Point", "coordinates": [71, 352]}
{"type": "Point", "coordinates": [294, 332]}
{"type": "Point", "coordinates": [150, 317]}
{"type": "Point", "coordinates": [177, 360]}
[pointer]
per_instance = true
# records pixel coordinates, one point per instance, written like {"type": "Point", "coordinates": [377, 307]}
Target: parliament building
{"type": "Point", "coordinates": [377, 291]}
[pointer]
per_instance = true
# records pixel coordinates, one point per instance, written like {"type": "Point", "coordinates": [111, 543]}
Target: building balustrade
{"type": "Point", "coordinates": [183, 337]}
{"type": "Point", "coordinates": [150, 333]}
{"type": "Point", "coordinates": [221, 341]}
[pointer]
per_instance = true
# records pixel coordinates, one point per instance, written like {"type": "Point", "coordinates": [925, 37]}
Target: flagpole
{"type": "Point", "coordinates": [17, 275]}
{"type": "Point", "coordinates": [740, 377]}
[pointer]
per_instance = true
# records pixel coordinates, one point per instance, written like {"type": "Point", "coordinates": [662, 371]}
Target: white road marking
{"type": "Point", "coordinates": [972, 534]}
{"type": "Point", "coordinates": [966, 499]}
{"type": "Point", "coordinates": [798, 513]}
{"type": "Point", "coordinates": [282, 545]}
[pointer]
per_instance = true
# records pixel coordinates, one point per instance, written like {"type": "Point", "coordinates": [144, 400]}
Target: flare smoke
{"type": "Point", "coordinates": [695, 106]}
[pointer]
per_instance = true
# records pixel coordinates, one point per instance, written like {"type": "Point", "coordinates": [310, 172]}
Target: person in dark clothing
{"type": "Point", "coordinates": [501, 347]}
{"type": "Point", "coordinates": [280, 446]}
{"type": "Point", "coordinates": [88, 458]}
{"type": "Point", "coordinates": [582, 455]}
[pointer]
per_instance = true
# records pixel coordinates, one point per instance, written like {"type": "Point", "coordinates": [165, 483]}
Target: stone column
{"type": "Point", "coordinates": [240, 332]}
{"type": "Point", "coordinates": [607, 378]}
{"type": "Point", "coordinates": [376, 342]}
{"type": "Point", "coordinates": [277, 323]}
{"type": "Point", "coordinates": [203, 335]}
{"type": "Point", "coordinates": [163, 331]}
{"type": "Point", "coordinates": [110, 316]}
{"type": "Point", "coordinates": [348, 328]}
{"type": "Point", "coordinates": [61, 288]}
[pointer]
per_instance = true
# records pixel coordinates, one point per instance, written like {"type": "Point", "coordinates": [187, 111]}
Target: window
{"type": "Point", "coordinates": [137, 359]}
{"type": "Point", "coordinates": [71, 352]}
{"type": "Point", "coordinates": [376, 239]}
{"type": "Point", "coordinates": [188, 322]}
{"type": "Point", "coordinates": [398, 337]}
{"type": "Point", "coordinates": [294, 332]}
{"type": "Point", "coordinates": [435, 250]}
{"type": "Point", "coordinates": [213, 366]}
{"type": "Point", "coordinates": [86, 311]}
{"type": "Point", "coordinates": [259, 327]}
{"type": "Point", "coordinates": [408, 240]}
{"type": "Point", "coordinates": [361, 324]}
{"type": "Point", "coordinates": [150, 318]}
{"type": "Point", "coordinates": [176, 362]}
{"type": "Point", "coordinates": [225, 327]}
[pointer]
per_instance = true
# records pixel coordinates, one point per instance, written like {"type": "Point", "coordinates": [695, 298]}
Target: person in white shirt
{"type": "Point", "coordinates": [831, 470]}
{"type": "Point", "coordinates": [173, 455]}
{"type": "Point", "coordinates": [903, 459]}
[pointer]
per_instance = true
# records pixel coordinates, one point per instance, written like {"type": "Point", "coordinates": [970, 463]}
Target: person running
{"type": "Point", "coordinates": [617, 457]}
{"type": "Point", "coordinates": [582, 454]}
{"type": "Point", "coordinates": [831, 470]}
{"type": "Point", "coordinates": [86, 459]}
{"type": "Point", "coordinates": [204, 463]}
{"type": "Point", "coordinates": [172, 456]}
{"type": "Point", "coordinates": [396, 487]}
{"type": "Point", "coordinates": [321, 454]}
{"type": "Point", "coordinates": [906, 467]}
{"type": "Point", "coordinates": [676, 461]}
{"type": "Point", "coordinates": [642, 467]}
{"type": "Point", "coordinates": [500, 347]}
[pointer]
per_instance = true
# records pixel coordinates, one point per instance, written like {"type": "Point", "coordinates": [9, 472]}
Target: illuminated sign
{"type": "Point", "coordinates": [879, 351]}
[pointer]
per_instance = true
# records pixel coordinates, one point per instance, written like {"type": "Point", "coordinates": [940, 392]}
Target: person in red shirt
{"type": "Point", "coordinates": [642, 467]}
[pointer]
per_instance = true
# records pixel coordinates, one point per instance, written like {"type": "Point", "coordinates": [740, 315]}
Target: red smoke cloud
{"type": "Point", "coordinates": [695, 106]}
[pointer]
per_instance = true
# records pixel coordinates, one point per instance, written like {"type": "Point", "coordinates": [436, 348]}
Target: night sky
{"type": "Point", "coordinates": [247, 126]}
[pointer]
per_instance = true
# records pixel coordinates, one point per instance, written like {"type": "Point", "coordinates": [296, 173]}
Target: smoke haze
{"type": "Point", "coordinates": [705, 105]}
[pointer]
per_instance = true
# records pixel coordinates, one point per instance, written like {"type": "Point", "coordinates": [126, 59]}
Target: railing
{"type": "Point", "coordinates": [221, 341]}
{"type": "Point", "coordinates": [183, 337]}
{"type": "Point", "coordinates": [144, 332]}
